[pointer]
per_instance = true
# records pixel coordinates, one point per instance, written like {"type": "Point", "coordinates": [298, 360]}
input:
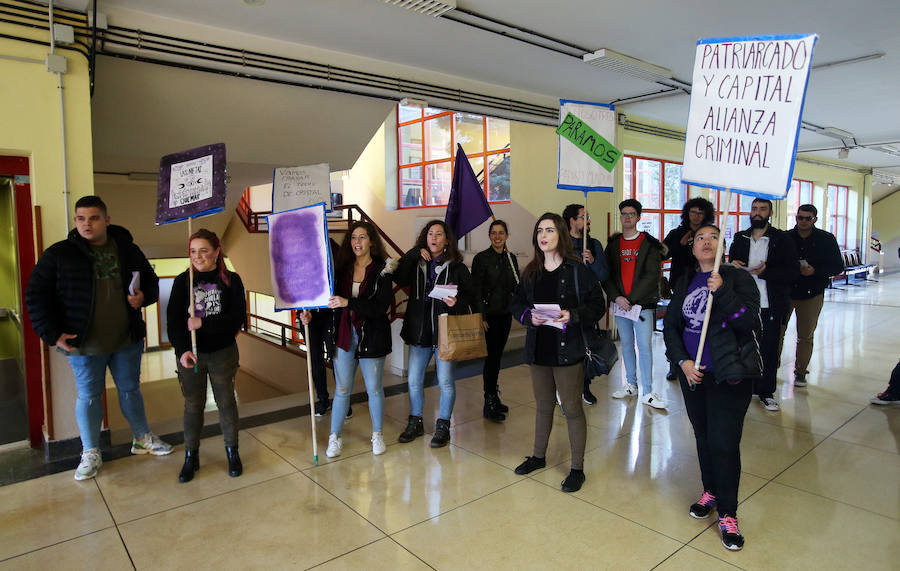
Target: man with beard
{"type": "Point", "coordinates": [579, 224]}
{"type": "Point", "coordinates": [771, 258]}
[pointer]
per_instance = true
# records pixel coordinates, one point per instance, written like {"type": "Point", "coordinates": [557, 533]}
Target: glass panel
{"type": "Point", "coordinates": [671, 222]}
{"type": "Point", "coordinates": [433, 111]}
{"type": "Point", "coordinates": [470, 132]}
{"type": "Point", "coordinates": [626, 167]}
{"type": "Point", "coordinates": [805, 192]}
{"type": "Point", "coordinates": [411, 144]}
{"type": "Point", "coordinates": [649, 223]}
{"type": "Point", "coordinates": [437, 138]}
{"type": "Point", "coordinates": [648, 183]}
{"type": "Point", "coordinates": [746, 203]}
{"type": "Point", "coordinates": [841, 233]}
{"type": "Point", "coordinates": [408, 113]}
{"type": "Point", "coordinates": [498, 134]}
{"type": "Point", "coordinates": [730, 230]}
{"type": "Point", "coordinates": [478, 168]}
{"type": "Point", "coordinates": [411, 187]}
{"type": "Point", "coordinates": [437, 181]}
{"type": "Point", "coordinates": [676, 193]}
{"type": "Point", "coordinates": [498, 177]}
{"type": "Point", "coordinates": [695, 191]}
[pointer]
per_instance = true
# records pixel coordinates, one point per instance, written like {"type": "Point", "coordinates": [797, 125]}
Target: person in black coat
{"type": "Point", "coordinates": [82, 299]}
{"type": "Point", "coordinates": [717, 385]}
{"type": "Point", "coordinates": [769, 255]}
{"type": "Point", "coordinates": [361, 328]}
{"type": "Point", "coordinates": [434, 260]}
{"type": "Point", "coordinates": [220, 312]}
{"type": "Point", "coordinates": [555, 344]}
{"type": "Point", "coordinates": [495, 274]}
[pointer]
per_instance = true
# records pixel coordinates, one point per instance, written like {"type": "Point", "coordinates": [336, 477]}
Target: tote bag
{"type": "Point", "coordinates": [461, 337]}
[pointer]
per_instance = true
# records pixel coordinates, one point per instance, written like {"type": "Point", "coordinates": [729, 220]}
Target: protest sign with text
{"type": "Point", "coordinates": [301, 258]}
{"type": "Point", "coordinates": [746, 103]}
{"type": "Point", "coordinates": [587, 156]}
{"type": "Point", "coordinates": [191, 184]}
{"type": "Point", "coordinates": [296, 187]}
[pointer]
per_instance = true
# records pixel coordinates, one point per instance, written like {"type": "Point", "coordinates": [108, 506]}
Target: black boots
{"type": "Point", "coordinates": [413, 430]}
{"type": "Point", "coordinates": [502, 407]}
{"type": "Point", "coordinates": [191, 465]}
{"type": "Point", "coordinates": [441, 433]}
{"type": "Point", "coordinates": [492, 410]}
{"type": "Point", "coordinates": [235, 467]}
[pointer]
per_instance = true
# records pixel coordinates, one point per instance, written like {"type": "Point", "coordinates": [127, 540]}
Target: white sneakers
{"type": "Point", "coordinates": [378, 446]}
{"type": "Point", "coordinates": [90, 464]}
{"type": "Point", "coordinates": [627, 391]}
{"type": "Point", "coordinates": [769, 403]}
{"type": "Point", "coordinates": [150, 444]}
{"type": "Point", "coordinates": [651, 399]}
{"type": "Point", "coordinates": [335, 446]}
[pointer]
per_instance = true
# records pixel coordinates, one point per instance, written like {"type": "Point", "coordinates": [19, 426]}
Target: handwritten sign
{"type": "Point", "coordinates": [296, 187]}
{"type": "Point", "coordinates": [589, 141]}
{"type": "Point", "coordinates": [580, 145]}
{"type": "Point", "coordinates": [301, 258]}
{"type": "Point", "coordinates": [746, 103]}
{"type": "Point", "coordinates": [191, 184]}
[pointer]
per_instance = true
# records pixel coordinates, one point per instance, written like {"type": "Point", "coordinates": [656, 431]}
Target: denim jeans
{"type": "Point", "coordinates": [419, 357]}
{"type": "Point", "coordinates": [642, 333]}
{"type": "Point", "coordinates": [90, 380]}
{"type": "Point", "coordinates": [220, 367]}
{"type": "Point", "coordinates": [345, 363]}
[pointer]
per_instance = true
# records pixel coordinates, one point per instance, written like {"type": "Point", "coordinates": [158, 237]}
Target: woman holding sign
{"type": "Point", "coordinates": [220, 311]}
{"type": "Point", "coordinates": [717, 390]}
{"type": "Point", "coordinates": [362, 331]}
{"type": "Point", "coordinates": [434, 262]}
{"type": "Point", "coordinates": [558, 300]}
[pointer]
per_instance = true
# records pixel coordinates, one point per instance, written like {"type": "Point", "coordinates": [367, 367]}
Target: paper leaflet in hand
{"type": "Point", "coordinates": [549, 312]}
{"type": "Point", "coordinates": [442, 291]}
{"type": "Point", "coordinates": [135, 284]}
{"type": "Point", "coordinates": [633, 314]}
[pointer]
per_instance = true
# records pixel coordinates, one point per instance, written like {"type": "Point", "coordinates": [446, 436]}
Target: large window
{"type": "Point", "coordinates": [657, 185]}
{"type": "Point", "coordinates": [838, 197]}
{"type": "Point", "coordinates": [426, 149]}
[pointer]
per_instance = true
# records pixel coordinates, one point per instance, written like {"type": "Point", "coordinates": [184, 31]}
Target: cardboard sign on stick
{"type": "Point", "coordinates": [296, 187]}
{"type": "Point", "coordinates": [301, 258]}
{"type": "Point", "coordinates": [191, 184]}
{"type": "Point", "coordinates": [587, 133]}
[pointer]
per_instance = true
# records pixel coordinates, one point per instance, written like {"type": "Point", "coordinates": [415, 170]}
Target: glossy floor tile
{"type": "Point", "coordinates": [819, 484]}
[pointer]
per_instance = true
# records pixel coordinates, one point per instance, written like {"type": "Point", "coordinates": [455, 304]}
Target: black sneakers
{"type": "Point", "coordinates": [413, 430]}
{"type": "Point", "coordinates": [731, 535]}
{"type": "Point", "coordinates": [441, 433]}
{"type": "Point", "coordinates": [573, 481]}
{"type": "Point", "coordinates": [588, 397]}
{"type": "Point", "coordinates": [322, 407]}
{"type": "Point", "coordinates": [531, 464]}
{"type": "Point", "coordinates": [704, 505]}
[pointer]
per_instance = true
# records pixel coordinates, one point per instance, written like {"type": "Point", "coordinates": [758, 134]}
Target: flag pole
{"type": "Point", "coordinates": [191, 289]}
{"type": "Point", "coordinates": [312, 416]}
{"type": "Point", "coordinates": [720, 247]}
{"type": "Point", "coordinates": [584, 232]}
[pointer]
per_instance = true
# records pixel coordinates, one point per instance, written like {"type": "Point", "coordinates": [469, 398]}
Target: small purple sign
{"type": "Point", "coordinates": [191, 184]}
{"type": "Point", "coordinates": [301, 258]}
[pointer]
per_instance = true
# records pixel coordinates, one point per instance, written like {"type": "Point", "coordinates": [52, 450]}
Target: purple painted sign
{"type": "Point", "coordinates": [191, 184]}
{"type": "Point", "coordinates": [301, 258]}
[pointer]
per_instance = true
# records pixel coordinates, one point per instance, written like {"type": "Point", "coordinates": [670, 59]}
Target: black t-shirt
{"type": "Point", "coordinates": [546, 290]}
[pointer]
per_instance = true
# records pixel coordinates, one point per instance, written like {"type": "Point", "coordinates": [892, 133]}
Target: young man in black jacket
{"type": "Point", "coordinates": [83, 300]}
{"type": "Point", "coordinates": [771, 258]}
{"type": "Point", "coordinates": [820, 259]}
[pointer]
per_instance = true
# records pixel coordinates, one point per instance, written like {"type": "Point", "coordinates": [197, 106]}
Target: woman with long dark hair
{"type": "Point", "coordinates": [362, 331]}
{"type": "Point", "coordinates": [495, 275]}
{"type": "Point", "coordinates": [555, 342]}
{"type": "Point", "coordinates": [220, 311]}
{"type": "Point", "coordinates": [717, 389]}
{"type": "Point", "coordinates": [434, 260]}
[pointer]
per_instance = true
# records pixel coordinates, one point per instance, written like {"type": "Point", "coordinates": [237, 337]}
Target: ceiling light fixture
{"type": "Point", "coordinates": [254, 2]}
{"type": "Point", "coordinates": [410, 102]}
{"type": "Point", "coordinates": [620, 63]}
{"type": "Point", "coordinates": [843, 153]}
{"type": "Point", "coordinates": [427, 7]}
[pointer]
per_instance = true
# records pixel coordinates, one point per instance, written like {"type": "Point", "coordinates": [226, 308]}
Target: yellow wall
{"type": "Point", "coordinates": [886, 220]}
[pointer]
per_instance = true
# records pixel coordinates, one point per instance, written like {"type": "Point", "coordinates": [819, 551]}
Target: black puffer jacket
{"type": "Point", "coordinates": [412, 272]}
{"type": "Point", "coordinates": [60, 292]}
{"type": "Point", "coordinates": [584, 311]}
{"type": "Point", "coordinates": [495, 277]}
{"type": "Point", "coordinates": [734, 326]}
{"type": "Point", "coordinates": [372, 304]}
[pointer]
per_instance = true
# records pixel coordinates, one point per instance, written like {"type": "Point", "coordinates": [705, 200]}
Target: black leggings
{"type": "Point", "coordinates": [716, 411]}
{"type": "Point", "coordinates": [495, 337]}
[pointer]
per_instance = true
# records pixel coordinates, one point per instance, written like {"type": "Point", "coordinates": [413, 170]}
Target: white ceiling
{"type": "Point", "coordinates": [860, 98]}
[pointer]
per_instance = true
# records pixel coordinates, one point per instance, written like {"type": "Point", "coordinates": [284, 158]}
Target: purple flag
{"type": "Point", "coordinates": [467, 207]}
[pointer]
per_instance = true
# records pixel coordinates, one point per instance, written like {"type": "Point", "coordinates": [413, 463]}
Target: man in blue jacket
{"type": "Point", "coordinates": [85, 296]}
{"type": "Point", "coordinates": [579, 224]}
{"type": "Point", "coordinates": [770, 256]}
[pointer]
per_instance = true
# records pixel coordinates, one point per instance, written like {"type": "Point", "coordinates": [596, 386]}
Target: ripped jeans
{"type": "Point", "coordinates": [345, 363]}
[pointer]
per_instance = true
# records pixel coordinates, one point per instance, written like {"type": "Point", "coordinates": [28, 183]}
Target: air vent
{"type": "Point", "coordinates": [620, 63]}
{"type": "Point", "coordinates": [428, 7]}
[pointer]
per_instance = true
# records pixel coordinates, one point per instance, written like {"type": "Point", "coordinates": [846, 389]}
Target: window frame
{"type": "Point", "coordinates": [838, 211]}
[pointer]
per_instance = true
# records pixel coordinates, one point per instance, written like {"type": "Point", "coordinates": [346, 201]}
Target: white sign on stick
{"type": "Point", "coordinates": [746, 104]}
{"type": "Point", "coordinates": [577, 170]}
{"type": "Point", "coordinates": [296, 187]}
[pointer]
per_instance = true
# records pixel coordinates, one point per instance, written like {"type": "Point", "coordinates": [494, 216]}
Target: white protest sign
{"type": "Point", "coordinates": [577, 170]}
{"type": "Point", "coordinates": [296, 187]}
{"type": "Point", "coordinates": [746, 103]}
{"type": "Point", "coordinates": [191, 181]}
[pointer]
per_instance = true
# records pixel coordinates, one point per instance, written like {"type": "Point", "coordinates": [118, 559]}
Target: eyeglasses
{"type": "Point", "coordinates": [583, 217]}
{"type": "Point", "coordinates": [805, 218]}
{"type": "Point", "coordinates": [629, 214]}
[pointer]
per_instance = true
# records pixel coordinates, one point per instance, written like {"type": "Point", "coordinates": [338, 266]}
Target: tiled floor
{"type": "Point", "coordinates": [820, 486]}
